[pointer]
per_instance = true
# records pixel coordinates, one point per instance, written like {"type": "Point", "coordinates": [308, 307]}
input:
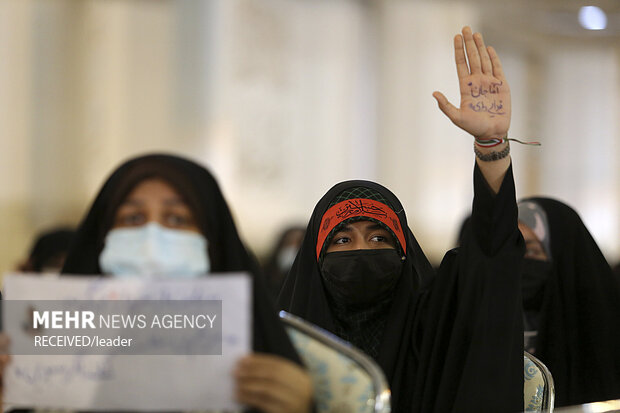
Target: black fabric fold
{"type": "Point", "coordinates": [488, 209]}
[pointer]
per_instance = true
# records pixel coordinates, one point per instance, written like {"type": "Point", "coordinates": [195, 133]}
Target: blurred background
{"type": "Point", "coordinates": [281, 99]}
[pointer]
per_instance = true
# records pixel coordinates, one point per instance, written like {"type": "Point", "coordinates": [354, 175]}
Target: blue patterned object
{"type": "Point", "coordinates": [535, 403]}
{"type": "Point", "coordinates": [530, 369]}
{"type": "Point", "coordinates": [533, 386]}
{"type": "Point", "coordinates": [340, 384]}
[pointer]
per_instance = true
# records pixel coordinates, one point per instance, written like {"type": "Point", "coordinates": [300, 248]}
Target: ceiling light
{"type": "Point", "coordinates": [592, 18]}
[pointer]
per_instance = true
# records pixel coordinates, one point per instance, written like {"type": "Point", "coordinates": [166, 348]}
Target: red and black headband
{"type": "Point", "coordinates": [359, 207]}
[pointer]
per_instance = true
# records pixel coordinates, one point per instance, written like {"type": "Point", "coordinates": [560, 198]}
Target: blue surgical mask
{"type": "Point", "coordinates": [152, 250]}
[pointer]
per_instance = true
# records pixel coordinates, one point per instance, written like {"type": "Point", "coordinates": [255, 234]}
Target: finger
{"type": "Point", "coordinates": [262, 396]}
{"type": "Point", "coordinates": [251, 373]}
{"type": "Point", "coordinates": [498, 71]}
{"type": "Point", "coordinates": [267, 391]}
{"type": "Point", "coordinates": [260, 358]}
{"type": "Point", "coordinates": [446, 107]}
{"type": "Point", "coordinates": [260, 365]}
{"type": "Point", "coordinates": [485, 60]}
{"type": "Point", "coordinates": [472, 51]}
{"type": "Point", "coordinates": [257, 401]}
{"type": "Point", "coordinates": [273, 371]}
{"type": "Point", "coordinates": [271, 374]}
{"type": "Point", "coordinates": [267, 365]}
{"type": "Point", "coordinates": [270, 377]}
{"type": "Point", "coordinates": [459, 57]}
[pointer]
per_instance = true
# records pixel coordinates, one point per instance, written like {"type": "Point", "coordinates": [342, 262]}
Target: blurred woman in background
{"type": "Point", "coordinates": [571, 303]}
{"type": "Point", "coordinates": [282, 256]}
{"type": "Point", "coordinates": [162, 215]}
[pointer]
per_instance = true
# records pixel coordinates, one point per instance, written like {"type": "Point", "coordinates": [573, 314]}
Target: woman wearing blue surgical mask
{"type": "Point", "coordinates": [164, 216]}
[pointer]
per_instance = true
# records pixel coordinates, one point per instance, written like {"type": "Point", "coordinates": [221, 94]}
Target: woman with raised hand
{"type": "Point", "coordinates": [447, 342]}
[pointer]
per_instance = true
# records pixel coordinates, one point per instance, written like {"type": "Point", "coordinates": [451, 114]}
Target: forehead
{"type": "Point", "coordinates": [362, 225]}
{"type": "Point", "coordinates": [153, 189]}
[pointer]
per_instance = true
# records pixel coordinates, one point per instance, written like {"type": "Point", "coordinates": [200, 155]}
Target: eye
{"type": "Point", "coordinates": [130, 219]}
{"type": "Point", "coordinates": [382, 238]}
{"type": "Point", "coordinates": [176, 220]}
{"type": "Point", "coordinates": [341, 239]}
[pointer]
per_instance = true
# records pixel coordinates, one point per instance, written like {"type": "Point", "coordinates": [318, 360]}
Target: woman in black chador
{"type": "Point", "coordinates": [571, 303]}
{"type": "Point", "coordinates": [164, 215]}
{"type": "Point", "coordinates": [450, 341]}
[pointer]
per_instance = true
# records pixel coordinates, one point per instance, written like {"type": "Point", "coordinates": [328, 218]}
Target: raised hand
{"type": "Point", "coordinates": [485, 95]}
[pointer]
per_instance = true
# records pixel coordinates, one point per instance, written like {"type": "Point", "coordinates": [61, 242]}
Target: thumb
{"type": "Point", "coordinates": [446, 107]}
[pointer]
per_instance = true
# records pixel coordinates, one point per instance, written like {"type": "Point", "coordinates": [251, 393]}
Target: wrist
{"type": "Point", "coordinates": [492, 153]}
{"type": "Point", "coordinates": [490, 142]}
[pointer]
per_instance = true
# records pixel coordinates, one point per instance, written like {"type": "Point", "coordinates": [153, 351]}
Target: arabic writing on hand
{"type": "Point", "coordinates": [494, 109]}
{"type": "Point", "coordinates": [478, 90]}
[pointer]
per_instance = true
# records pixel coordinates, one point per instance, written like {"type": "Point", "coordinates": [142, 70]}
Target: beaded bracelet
{"type": "Point", "coordinates": [493, 156]}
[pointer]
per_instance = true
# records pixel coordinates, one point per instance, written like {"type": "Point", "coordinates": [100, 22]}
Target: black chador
{"type": "Point", "coordinates": [447, 342]}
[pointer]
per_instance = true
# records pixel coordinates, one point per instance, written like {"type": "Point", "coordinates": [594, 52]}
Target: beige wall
{"type": "Point", "coordinates": [284, 98]}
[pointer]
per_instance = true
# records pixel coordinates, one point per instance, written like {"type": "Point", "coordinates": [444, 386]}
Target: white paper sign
{"type": "Point", "coordinates": [123, 382]}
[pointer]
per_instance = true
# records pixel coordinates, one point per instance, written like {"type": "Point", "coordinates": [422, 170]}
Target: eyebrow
{"type": "Point", "coordinates": [131, 202]}
{"type": "Point", "coordinates": [175, 201]}
{"type": "Point", "coordinates": [167, 202]}
{"type": "Point", "coordinates": [371, 226]}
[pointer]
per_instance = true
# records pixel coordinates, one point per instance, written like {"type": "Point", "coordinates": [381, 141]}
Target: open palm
{"type": "Point", "coordinates": [485, 95]}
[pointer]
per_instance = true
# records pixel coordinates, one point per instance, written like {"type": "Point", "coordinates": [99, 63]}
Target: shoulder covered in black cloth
{"type": "Point", "coordinates": [452, 341]}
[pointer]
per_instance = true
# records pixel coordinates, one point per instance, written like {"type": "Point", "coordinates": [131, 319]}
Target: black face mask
{"type": "Point", "coordinates": [535, 276]}
{"type": "Point", "coordinates": [361, 277]}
